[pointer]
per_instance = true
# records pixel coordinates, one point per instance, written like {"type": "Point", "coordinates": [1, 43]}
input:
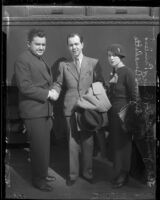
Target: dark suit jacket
{"type": "Point", "coordinates": [76, 84]}
{"type": "Point", "coordinates": [34, 80]}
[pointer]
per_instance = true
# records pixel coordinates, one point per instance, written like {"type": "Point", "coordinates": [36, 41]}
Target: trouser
{"type": "Point", "coordinates": [39, 132]}
{"type": "Point", "coordinates": [101, 140]}
{"type": "Point", "coordinates": [77, 140]}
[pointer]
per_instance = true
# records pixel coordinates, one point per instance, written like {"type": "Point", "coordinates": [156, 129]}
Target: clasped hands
{"type": "Point", "coordinates": [53, 95]}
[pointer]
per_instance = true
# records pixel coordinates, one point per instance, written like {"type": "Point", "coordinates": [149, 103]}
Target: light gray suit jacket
{"type": "Point", "coordinates": [76, 84]}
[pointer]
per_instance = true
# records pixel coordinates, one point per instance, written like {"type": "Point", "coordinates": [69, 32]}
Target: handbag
{"type": "Point", "coordinates": [122, 116]}
{"type": "Point", "coordinates": [123, 111]}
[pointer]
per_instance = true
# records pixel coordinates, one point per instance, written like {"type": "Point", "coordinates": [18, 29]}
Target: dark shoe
{"type": "Point", "coordinates": [89, 180]}
{"type": "Point", "coordinates": [70, 182]}
{"type": "Point", "coordinates": [43, 185]}
{"type": "Point", "coordinates": [120, 180]}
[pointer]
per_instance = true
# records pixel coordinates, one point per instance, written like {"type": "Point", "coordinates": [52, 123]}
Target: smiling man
{"type": "Point", "coordinates": [34, 81]}
{"type": "Point", "coordinates": [77, 75]}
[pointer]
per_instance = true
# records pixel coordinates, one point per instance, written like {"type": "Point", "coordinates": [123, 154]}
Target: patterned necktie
{"type": "Point", "coordinates": [78, 66]}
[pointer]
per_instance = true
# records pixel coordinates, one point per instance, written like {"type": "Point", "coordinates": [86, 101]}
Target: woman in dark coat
{"type": "Point", "coordinates": [122, 90]}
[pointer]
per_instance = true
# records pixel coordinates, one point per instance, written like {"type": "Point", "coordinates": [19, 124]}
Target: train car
{"type": "Point", "coordinates": [136, 28]}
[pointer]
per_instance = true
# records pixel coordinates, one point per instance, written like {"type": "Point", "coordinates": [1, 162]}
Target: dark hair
{"type": "Point", "coordinates": [35, 32]}
{"type": "Point", "coordinates": [73, 35]}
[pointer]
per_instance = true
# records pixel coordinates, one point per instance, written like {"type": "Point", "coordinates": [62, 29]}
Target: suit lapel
{"type": "Point", "coordinates": [45, 70]}
{"type": "Point", "coordinates": [84, 66]}
{"type": "Point", "coordinates": [72, 68]}
{"type": "Point", "coordinates": [46, 65]}
{"type": "Point", "coordinates": [41, 66]}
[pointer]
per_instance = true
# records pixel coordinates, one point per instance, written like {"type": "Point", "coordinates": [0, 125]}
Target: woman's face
{"type": "Point", "coordinates": [113, 59]}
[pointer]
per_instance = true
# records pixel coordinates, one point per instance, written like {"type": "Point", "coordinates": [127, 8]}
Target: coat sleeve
{"type": "Point", "coordinates": [58, 84]}
{"type": "Point", "coordinates": [25, 84]}
{"type": "Point", "coordinates": [97, 73]}
{"type": "Point", "coordinates": [131, 86]}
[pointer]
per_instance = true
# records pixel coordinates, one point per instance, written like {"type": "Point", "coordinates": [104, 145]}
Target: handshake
{"type": "Point", "coordinates": [53, 95]}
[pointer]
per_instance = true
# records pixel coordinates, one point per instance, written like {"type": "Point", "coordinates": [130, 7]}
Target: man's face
{"type": "Point", "coordinates": [75, 46]}
{"type": "Point", "coordinates": [38, 45]}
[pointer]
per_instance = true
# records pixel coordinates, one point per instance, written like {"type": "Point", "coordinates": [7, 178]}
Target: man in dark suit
{"type": "Point", "coordinates": [76, 76]}
{"type": "Point", "coordinates": [34, 81]}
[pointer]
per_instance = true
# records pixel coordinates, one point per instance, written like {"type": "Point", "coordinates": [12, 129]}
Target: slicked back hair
{"type": "Point", "coordinates": [73, 35]}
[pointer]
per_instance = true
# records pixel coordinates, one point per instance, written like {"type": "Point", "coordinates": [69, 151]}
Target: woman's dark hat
{"type": "Point", "coordinates": [117, 49]}
{"type": "Point", "coordinates": [89, 120]}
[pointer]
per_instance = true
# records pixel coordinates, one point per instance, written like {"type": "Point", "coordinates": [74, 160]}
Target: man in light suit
{"type": "Point", "coordinates": [76, 76]}
{"type": "Point", "coordinates": [34, 81]}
